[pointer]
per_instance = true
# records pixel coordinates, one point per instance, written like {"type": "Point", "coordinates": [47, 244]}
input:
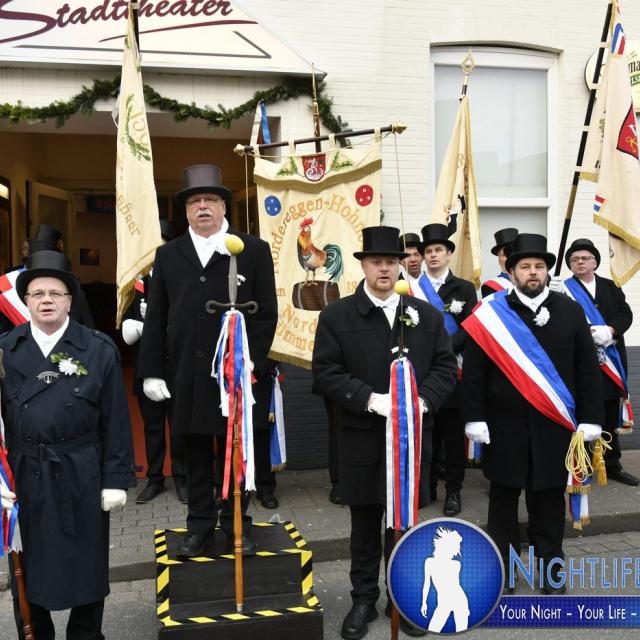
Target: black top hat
{"type": "Point", "coordinates": [47, 232]}
{"type": "Point", "coordinates": [503, 237]}
{"type": "Point", "coordinates": [167, 230]}
{"type": "Point", "coordinates": [36, 245]}
{"type": "Point", "coordinates": [582, 244]}
{"type": "Point", "coordinates": [410, 240]}
{"type": "Point", "coordinates": [203, 178]}
{"type": "Point", "coordinates": [380, 241]}
{"type": "Point", "coordinates": [436, 234]}
{"type": "Point", "coordinates": [529, 245]}
{"type": "Point", "coordinates": [51, 264]}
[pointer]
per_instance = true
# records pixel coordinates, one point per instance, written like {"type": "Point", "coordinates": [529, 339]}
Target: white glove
{"type": "Point", "coordinates": [155, 389]}
{"type": "Point", "coordinates": [132, 330]}
{"type": "Point", "coordinates": [601, 335]}
{"type": "Point", "coordinates": [557, 284]}
{"type": "Point", "coordinates": [143, 308]}
{"type": "Point", "coordinates": [477, 432]}
{"type": "Point", "coordinates": [591, 431]}
{"type": "Point", "coordinates": [380, 403]}
{"type": "Point", "coordinates": [423, 405]}
{"type": "Point", "coordinates": [7, 498]}
{"type": "Point", "coordinates": [112, 498]}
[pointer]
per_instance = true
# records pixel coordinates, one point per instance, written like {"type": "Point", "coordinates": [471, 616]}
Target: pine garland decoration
{"type": "Point", "coordinates": [84, 102]}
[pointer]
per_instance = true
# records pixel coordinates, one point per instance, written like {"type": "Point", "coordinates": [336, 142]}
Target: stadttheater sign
{"type": "Point", "coordinates": [207, 35]}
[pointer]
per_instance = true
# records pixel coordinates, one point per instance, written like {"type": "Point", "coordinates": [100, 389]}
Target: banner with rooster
{"type": "Point", "coordinates": [312, 211]}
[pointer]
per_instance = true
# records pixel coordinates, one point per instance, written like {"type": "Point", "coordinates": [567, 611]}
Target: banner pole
{"type": "Point", "coordinates": [583, 138]}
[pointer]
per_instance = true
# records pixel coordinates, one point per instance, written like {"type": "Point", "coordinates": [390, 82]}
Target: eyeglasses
{"type": "Point", "coordinates": [54, 295]}
{"type": "Point", "coordinates": [575, 259]}
{"type": "Point", "coordinates": [208, 200]}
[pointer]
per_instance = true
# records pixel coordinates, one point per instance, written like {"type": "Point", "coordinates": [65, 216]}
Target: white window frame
{"type": "Point", "coordinates": [509, 58]}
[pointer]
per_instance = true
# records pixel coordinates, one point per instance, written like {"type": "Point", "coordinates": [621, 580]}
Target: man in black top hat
{"type": "Point", "coordinates": [525, 448]}
{"type": "Point", "coordinates": [352, 355]}
{"type": "Point", "coordinates": [180, 337]}
{"type": "Point", "coordinates": [154, 414]}
{"type": "Point", "coordinates": [455, 298]}
{"type": "Point", "coordinates": [501, 249]}
{"type": "Point", "coordinates": [583, 258]}
{"type": "Point", "coordinates": [69, 441]}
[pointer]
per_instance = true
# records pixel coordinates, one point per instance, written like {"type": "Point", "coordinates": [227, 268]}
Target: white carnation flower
{"type": "Point", "coordinates": [67, 367]}
{"type": "Point", "coordinates": [456, 306]}
{"type": "Point", "coordinates": [413, 314]}
{"type": "Point", "coordinates": [543, 317]}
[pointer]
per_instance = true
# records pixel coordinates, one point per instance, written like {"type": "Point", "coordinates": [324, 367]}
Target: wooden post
{"type": "Point", "coordinates": [583, 140]}
{"type": "Point", "coordinates": [25, 611]}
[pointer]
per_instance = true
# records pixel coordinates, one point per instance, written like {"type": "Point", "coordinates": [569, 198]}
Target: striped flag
{"type": "Point", "coordinates": [611, 159]}
{"type": "Point", "coordinates": [457, 196]}
{"type": "Point", "coordinates": [137, 222]}
{"type": "Point", "coordinates": [10, 304]}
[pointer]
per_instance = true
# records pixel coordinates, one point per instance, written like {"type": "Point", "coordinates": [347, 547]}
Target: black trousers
{"type": "Point", "coordinates": [265, 478]}
{"type": "Point", "coordinates": [154, 415]}
{"type": "Point", "coordinates": [85, 622]}
{"type": "Point", "coordinates": [611, 412]}
{"type": "Point", "coordinates": [201, 465]}
{"type": "Point", "coordinates": [367, 550]}
{"type": "Point", "coordinates": [546, 511]}
{"type": "Point", "coordinates": [448, 432]}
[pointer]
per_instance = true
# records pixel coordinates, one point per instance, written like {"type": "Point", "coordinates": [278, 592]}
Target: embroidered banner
{"type": "Point", "coordinates": [312, 211]}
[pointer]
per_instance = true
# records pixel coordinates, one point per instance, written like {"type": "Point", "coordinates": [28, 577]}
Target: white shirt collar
{"type": "Point", "coordinates": [206, 247]}
{"type": "Point", "coordinates": [440, 279]}
{"type": "Point", "coordinates": [532, 303]}
{"type": "Point", "coordinates": [391, 302]}
{"type": "Point", "coordinates": [47, 342]}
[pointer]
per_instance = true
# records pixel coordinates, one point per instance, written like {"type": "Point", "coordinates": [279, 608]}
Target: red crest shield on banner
{"type": "Point", "coordinates": [628, 137]}
{"type": "Point", "coordinates": [314, 166]}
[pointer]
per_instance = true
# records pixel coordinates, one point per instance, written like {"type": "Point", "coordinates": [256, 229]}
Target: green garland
{"type": "Point", "coordinates": [84, 103]}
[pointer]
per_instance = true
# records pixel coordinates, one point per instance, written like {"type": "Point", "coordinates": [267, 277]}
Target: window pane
{"type": "Point", "coordinates": [492, 219]}
{"type": "Point", "coordinates": [508, 124]}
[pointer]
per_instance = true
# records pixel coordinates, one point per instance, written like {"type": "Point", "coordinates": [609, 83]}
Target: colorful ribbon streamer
{"type": "Point", "coordinates": [278, 445]}
{"type": "Point", "coordinates": [403, 447]}
{"type": "Point", "coordinates": [231, 367]}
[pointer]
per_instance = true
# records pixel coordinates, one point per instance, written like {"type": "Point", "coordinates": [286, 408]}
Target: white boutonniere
{"type": "Point", "coordinates": [410, 317]}
{"type": "Point", "coordinates": [454, 307]}
{"type": "Point", "coordinates": [542, 317]}
{"type": "Point", "coordinates": [67, 365]}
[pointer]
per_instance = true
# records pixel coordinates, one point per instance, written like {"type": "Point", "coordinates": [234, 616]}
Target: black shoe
{"type": "Point", "coordinates": [334, 493]}
{"type": "Point", "coordinates": [620, 475]}
{"type": "Point", "coordinates": [249, 546]}
{"type": "Point", "coordinates": [452, 504]}
{"type": "Point", "coordinates": [355, 626]}
{"type": "Point", "coordinates": [182, 492]}
{"type": "Point", "coordinates": [151, 491]}
{"type": "Point", "coordinates": [193, 544]}
{"type": "Point", "coordinates": [407, 627]}
{"type": "Point", "coordinates": [268, 500]}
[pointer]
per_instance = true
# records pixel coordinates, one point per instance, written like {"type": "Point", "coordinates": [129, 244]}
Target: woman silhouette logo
{"type": "Point", "coordinates": [445, 575]}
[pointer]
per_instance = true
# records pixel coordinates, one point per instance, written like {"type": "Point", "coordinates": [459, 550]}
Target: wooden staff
{"type": "Point", "coordinates": [398, 127]}
{"type": "Point", "coordinates": [25, 611]}
{"type": "Point", "coordinates": [237, 513]}
{"type": "Point", "coordinates": [583, 139]}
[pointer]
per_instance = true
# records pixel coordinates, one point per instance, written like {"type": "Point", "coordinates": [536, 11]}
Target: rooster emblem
{"type": "Point", "coordinates": [311, 258]}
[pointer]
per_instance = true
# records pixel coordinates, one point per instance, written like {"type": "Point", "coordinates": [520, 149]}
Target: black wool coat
{"type": "Point", "coordinates": [455, 288]}
{"type": "Point", "coordinates": [179, 338]}
{"type": "Point", "coordinates": [84, 420]}
{"type": "Point", "coordinates": [612, 304]}
{"type": "Point", "coordinates": [527, 449]}
{"type": "Point", "coordinates": [352, 356]}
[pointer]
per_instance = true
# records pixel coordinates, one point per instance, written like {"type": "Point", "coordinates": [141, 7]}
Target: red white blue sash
{"type": "Point", "coordinates": [403, 447]}
{"type": "Point", "coordinates": [499, 283]}
{"type": "Point", "coordinates": [513, 348]}
{"type": "Point", "coordinates": [612, 365]}
{"type": "Point", "coordinates": [10, 304]}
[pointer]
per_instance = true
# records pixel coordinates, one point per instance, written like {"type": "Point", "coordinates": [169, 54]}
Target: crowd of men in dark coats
{"type": "Point", "coordinates": [465, 394]}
